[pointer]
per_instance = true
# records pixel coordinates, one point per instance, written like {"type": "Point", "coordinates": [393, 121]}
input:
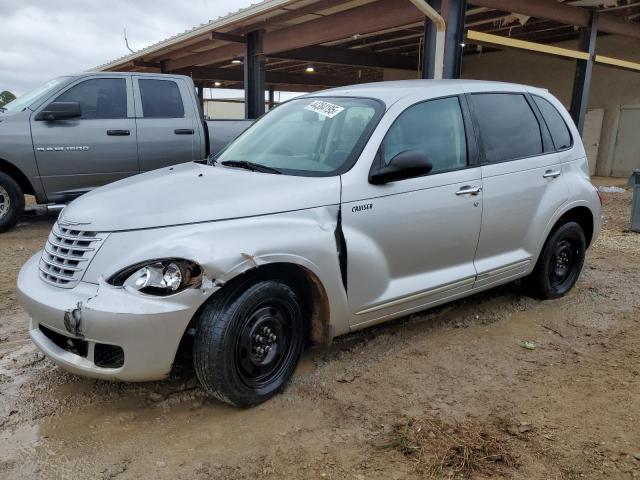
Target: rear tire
{"type": "Point", "coordinates": [560, 262]}
{"type": "Point", "coordinates": [248, 342]}
{"type": "Point", "coordinates": [11, 202]}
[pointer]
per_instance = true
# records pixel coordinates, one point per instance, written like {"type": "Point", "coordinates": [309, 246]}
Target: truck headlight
{"type": "Point", "coordinates": [159, 277]}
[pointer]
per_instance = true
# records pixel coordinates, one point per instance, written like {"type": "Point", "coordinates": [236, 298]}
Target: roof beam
{"type": "Point", "coordinates": [482, 38]}
{"type": "Point", "coordinates": [227, 37]}
{"type": "Point", "coordinates": [294, 13]}
{"type": "Point", "coordinates": [344, 56]}
{"type": "Point", "coordinates": [368, 18]}
{"type": "Point", "coordinates": [281, 78]}
{"type": "Point", "coordinates": [141, 63]}
{"type": "Point", "coordinates": [209, 56]}
{"type": "Point", "coordinates": [552, 10]}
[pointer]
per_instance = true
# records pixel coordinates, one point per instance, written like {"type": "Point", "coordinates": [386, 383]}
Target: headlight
{"type": "Point", "coordinates": [159, 277]}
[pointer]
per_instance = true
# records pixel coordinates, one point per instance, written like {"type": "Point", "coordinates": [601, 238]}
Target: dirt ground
{"type": "Point", "coordinates": [375, 405]}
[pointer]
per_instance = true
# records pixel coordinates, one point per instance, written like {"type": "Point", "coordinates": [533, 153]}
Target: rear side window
{"type": "Point", "coordinates": [99, 98]}
{"type": "Point", "coordinates": [508, 126]}
{"type": "Point", "coordinates": [557, 126]}
{"type": "Point", "coordinates": [160, 99]}
{"type": "Point", "coordinates": [435, 128]}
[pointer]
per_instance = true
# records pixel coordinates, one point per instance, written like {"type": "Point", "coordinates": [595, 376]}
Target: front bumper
{"type": "Point", "coordinates": [148, 329]}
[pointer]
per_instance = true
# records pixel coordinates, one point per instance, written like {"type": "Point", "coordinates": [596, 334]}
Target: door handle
{"type": "Point", "coordinates": [551, 174]}
{"type": "Point", "coordinates": [118, 133]}
{"type": "Point", "coordinates": [467, 190]}
{"type": "Point", "coordinates": [183, 131]}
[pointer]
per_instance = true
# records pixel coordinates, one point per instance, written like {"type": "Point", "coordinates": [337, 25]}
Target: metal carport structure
{"type": "Point", "coordinates": [270, 45]}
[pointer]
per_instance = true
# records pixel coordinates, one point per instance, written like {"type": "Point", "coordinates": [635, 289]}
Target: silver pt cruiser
{"type": "Point", "coordinates": [335, 211]}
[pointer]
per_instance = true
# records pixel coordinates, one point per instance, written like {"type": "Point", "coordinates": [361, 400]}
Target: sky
{"type": "Point", "coordinates": [42, 39]}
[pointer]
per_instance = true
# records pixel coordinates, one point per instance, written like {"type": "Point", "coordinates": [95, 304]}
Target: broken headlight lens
{"type": "Point", "coordinates": [160, 277]}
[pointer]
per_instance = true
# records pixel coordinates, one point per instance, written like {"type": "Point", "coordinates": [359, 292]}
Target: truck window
{"type": "Point", "coordinates": [508, 126]}
{"type": "Point", "coordinates": [99, 98]}
{"type": "Point", "coordinates": [160, 99]}
{"type": "Point", "coordinates": [435, 128]}
{"type": "Point", "coordinates": [557, 127]}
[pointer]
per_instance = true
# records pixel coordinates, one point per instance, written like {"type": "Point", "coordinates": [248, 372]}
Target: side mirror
{"type": "Point", "coordinates": [407, 164]}
{"type": "Point", "coordinates": [60, 111]}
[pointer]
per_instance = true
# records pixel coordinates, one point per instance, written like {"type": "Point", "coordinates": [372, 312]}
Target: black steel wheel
{"type": "Point", "coordinates": [560, 262]}
{"type": "Point", "coordinates": [249, 341]}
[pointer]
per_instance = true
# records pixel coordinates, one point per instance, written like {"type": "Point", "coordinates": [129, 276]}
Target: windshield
{"type": "Point", "coordinates": [307, 136]}
{"type": "Point", "coordinates": [27, 99]}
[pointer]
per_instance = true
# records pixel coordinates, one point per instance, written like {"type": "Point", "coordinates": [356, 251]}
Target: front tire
{"type": "Point", "coordinates": [248, 342]}
{"type": "Point", "coordinates": [11, 202]}
{"type": "Point", "coordinates": [560, 262]}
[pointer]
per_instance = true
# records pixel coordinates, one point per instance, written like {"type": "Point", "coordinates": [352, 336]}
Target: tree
{"type": "Point", "coordinates": [6, 97]}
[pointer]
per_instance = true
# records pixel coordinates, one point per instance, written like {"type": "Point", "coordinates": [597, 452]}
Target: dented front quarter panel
{"type": "Point", "coordinates": [225, 249]}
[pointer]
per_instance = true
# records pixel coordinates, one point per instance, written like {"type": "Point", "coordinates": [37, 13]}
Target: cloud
{"type": "Point", "coordinates": [48, 38]}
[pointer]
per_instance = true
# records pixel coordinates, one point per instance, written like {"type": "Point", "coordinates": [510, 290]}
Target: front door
{"type": "Point", "coordinates": [79, 154]}
{"type": "Point", "coordinates": [166, 117]}
{"type": "Point", "coordinates": [411, 243]}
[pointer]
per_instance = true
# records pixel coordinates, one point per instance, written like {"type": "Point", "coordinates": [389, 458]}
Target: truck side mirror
{"type": "Point", "coordinates": [60, 111]}
{"type": "Point", "coordinates": [407, 164]}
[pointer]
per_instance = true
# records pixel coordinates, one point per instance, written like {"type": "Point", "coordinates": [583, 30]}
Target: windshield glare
{"type": "Point", "coordinates": [27, 99]}
{"type": "Point", "coordinates": [313, 136]}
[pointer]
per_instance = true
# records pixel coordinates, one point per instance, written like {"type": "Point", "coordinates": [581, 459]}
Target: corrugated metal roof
{"type": "Point", "coordinates": [232, 18]}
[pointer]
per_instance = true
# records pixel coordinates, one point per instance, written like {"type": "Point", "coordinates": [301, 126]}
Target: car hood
{"type": "Point", "coordinates": [192, 193]}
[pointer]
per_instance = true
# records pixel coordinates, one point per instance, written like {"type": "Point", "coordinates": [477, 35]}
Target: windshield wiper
{"type": "Point", "coordinates": [254, 167]}
{"type": "Point", "coordinates": [3, 109]}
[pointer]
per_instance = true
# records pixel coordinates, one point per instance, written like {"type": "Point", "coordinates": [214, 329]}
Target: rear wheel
{"type": "Point", "coordinates": [560, 262]}
{"type": "Point", "coordinates": [249, 341]}
{"type": "Point", "coordinates": [11, 202]}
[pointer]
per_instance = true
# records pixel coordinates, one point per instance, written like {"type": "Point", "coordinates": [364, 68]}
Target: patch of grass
{"type": "Point", "coordinates": [442, 450]}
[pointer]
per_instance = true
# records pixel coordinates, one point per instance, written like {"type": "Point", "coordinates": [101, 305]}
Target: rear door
{"type": "Point", "coordinates": [522, 182]}
{"type": "Point", "coordinates": [79, 154]}
{"type": "Point", "coordinates": [167, 120]}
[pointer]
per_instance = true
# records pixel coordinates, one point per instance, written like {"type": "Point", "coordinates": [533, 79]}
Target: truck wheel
{"type": "Point", "coordinates": [248, 342]}
{"type": "Point", "coordinates": [560, 262]}
{"type": "Point", "coordinates": [11, 202]}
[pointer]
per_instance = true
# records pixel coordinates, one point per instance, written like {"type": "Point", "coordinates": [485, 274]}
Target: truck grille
{"type": "Point", "coordinates": [67, 254]}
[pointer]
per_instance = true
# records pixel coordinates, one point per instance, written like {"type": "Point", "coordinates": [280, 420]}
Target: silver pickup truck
{"type": "Point", "coordinates": [78, 132]}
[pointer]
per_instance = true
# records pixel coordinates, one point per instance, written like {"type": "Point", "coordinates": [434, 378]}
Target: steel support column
{"type": "Point", "coordinates": [271, 97]}
{"type": "Point", "coordinates": [454, 12]}
{"type": "Point", "coordinates": [429, 44]}
{"type": "Point", "coordinates": [254, 76]}
{"type": "Point", "coordinates": [584, 69]}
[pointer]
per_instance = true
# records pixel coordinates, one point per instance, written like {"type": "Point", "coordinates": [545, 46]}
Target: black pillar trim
{"type": "Point", "coordinates": [254, 76]}
{"type": "Point", "coordinates": [454, 12]}
{"type": "Point", "coordinates": [200, 96]}
{"type": "Point", "coordinates": [584, 69]}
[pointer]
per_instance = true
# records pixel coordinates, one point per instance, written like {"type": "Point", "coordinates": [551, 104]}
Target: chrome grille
{"type": "Point", "coordinates": [67, 254]}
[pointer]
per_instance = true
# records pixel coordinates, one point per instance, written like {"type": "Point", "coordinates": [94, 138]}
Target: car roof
{"type": "Point", "coordinates": [392, 91]}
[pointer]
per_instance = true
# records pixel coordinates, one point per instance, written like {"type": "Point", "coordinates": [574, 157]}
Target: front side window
{"type": "Point", "coordinates": [435, 128]}
{"type": "Point", "coordinates": [312, 136]}
{"type": "Point", "coordinates": [99, 98]}
{"type": "Point", "coordinates": [508, 126]}
{"type": "Point", "coordinates": [557, 127]}
{"type": "Point", "coordinates": [160, 99]}
{"type": "Point", "coordinates": [27, 99]}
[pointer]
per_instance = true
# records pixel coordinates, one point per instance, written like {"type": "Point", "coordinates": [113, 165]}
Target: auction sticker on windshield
{"type": "Point", "coordinates": [325, 109]}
